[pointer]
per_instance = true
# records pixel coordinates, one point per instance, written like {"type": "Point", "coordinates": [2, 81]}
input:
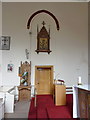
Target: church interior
{"type": "Point", "coordinates": [44, 59]}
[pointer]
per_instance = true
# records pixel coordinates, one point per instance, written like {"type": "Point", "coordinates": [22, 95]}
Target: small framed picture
{"type": "Point", "coordinates": [5, 43]}
{"type": "Point", "coordinates": [10, 67]}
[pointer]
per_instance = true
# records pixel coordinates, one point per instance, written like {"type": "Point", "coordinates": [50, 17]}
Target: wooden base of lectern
{"type": "Point", "coordinates": [60, 95]}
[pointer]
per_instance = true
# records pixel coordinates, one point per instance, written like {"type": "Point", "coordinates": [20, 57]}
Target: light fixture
{"type": "Point", "coordinates": [27, 53]}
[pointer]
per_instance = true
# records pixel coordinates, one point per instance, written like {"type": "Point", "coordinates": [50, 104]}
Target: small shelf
{"type": "Point", "coordinates": [48, 51]}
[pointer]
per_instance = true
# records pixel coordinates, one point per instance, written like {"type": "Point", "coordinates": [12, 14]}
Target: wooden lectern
{"type": "Point", "coordinates": [60, 94]}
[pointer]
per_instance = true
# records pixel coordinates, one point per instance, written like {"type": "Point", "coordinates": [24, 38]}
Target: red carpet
{"type": "Point", "coordinates": [46, 108]}
{"type": "Point", "coordinates": [59, 112]}
{"type": "Point", "coordinates": [43, 102]}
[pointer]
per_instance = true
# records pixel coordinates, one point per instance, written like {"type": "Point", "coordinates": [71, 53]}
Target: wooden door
{"type": "Point", "coordinates": [44, 79]}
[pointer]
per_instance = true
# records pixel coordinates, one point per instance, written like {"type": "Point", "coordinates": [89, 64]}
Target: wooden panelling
{"type": "Point", "coordinates": [60, 95]}
{"type": "Point", "coordinates": [24, 93]}
{"type": "Point", "coordinates": [84, 103]}
{"type": "Point", "coordinates": [44, 79]}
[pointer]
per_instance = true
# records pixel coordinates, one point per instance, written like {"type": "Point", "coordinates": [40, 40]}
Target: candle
{"type": "Point", "coordinates": [79, 79]}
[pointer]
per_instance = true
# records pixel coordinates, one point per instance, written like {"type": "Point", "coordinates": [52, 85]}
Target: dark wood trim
{"type": "Point", "coordinates": [48, 51]}
{"type": "Point", "coordinates": [69, 91]}
{"type": "Point", "coordinates": [41, 11]}
{"type": "Point", "coordinates": [68, 87]}
{"type": "Point", "coordinates": [84, 90]}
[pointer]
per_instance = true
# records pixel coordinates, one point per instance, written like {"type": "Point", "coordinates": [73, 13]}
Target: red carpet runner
{"type": "Point", "coordinates": [47, 109]}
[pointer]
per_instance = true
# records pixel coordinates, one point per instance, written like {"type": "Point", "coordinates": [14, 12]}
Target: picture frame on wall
{"type": "Point", "coordinates": [5, 42]}
{"type": "Point", "coordinates": [10, 67]}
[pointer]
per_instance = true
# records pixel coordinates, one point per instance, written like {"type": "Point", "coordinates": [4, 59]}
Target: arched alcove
{"type": "Point", "coordinates": [42, 11]}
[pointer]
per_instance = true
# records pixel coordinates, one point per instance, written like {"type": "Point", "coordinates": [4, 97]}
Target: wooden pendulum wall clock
{"type": "Point", "coordinates": [43, 40]}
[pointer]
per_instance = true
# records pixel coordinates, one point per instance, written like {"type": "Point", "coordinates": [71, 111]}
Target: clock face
{"type": "Point", "coordinates": [43, 43]}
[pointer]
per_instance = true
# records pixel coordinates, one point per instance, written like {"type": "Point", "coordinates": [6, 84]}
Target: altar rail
{"type": "Point", "coordinates": [8, 95]}
{"type": "Point", "coordinates": [69, 90]}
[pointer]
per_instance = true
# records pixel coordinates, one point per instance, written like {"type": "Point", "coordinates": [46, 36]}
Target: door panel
{"type": "Point", "coordinates": [44, 81]}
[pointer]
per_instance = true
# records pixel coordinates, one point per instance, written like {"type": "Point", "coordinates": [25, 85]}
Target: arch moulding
{"type": "Point", "coordinates": [41, 11]}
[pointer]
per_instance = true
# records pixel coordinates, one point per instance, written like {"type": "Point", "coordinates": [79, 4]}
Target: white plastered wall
{"type": "Point", "coordinates": [69, 45]}
{"type": "Point", "coordinates": [0, 50]}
